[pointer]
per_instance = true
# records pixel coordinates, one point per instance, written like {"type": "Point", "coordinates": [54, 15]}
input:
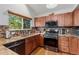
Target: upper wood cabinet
{"type": "Point", "coordinates": [40, 21]}
{"type": "Point", "coordinates": [51, 17]}
{"type": "Point", "coordinates": [48, 18]}
{"type": "Point", "coordinates": [60, 19]}
{"type": "Point", "coordinates": [65, 19]}
{"type": "Point", "coordinates": [76, 17]}
{"type": "Point", "coordinates": [68, 19]}
{"type": "Point", "coordinates": [54, 18]}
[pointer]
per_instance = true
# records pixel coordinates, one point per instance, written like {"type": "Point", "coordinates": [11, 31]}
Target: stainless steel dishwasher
{"type": "Point", "coordinates": [17, 46]}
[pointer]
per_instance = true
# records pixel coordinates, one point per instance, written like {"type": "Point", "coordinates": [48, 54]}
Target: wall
{"type": "Point", "coordinates": [18, 8]}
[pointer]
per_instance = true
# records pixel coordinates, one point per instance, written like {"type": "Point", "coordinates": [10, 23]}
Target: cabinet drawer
{"type": "Point", "coordinates": [64, 49]}
{"type": "Point", "coordinates": [64, 46]}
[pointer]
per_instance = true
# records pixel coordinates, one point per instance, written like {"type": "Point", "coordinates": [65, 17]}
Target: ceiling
{"type": "Point", "coordinates": [41, 9]}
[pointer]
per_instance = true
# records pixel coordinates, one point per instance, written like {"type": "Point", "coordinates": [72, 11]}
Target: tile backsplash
{"type": "Point", "coordinates": [4, 28]}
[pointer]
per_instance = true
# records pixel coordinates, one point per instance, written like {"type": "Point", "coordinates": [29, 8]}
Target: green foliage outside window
{"type": "Point", "coordinates": [15, 22]}
{"type": "Point", "coordinates": [26, 23]}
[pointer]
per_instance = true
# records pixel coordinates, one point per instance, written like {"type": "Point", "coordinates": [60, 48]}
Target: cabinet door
{"type": "Point", "coordinates": [73, 45]}
{"type": "Point", "coordinates": [34, 43]}
{"type": "Point", "coordinates": [28, 46]}
{"type": "Point", "coordinates": [40, 40]}
{"type": "Point", "coordinates": [78, 46]}
{"type": "Point", "coordinates": [60, 19]}
{"type": "Point", "coordinates": [37, 22]}
{"type": "Point", "coordinates": [63, 44]}
{"type": "Point", "coordinates": [76, 17]}
{"type": "Point", "coordinates": [54, 17]}
{"type": "Point", "coordinates": [40, 21]}
{"type": "Point", "coordinates": [68, 19]}
{"type": "Point", "coordinates": [48, 18]}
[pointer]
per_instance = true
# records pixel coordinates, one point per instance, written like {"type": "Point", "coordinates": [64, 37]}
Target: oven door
{"type": "Point", "coordinates": [51, 42]}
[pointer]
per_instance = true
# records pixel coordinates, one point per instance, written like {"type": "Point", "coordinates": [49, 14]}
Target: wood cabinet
{"type": "Point", "coordinates": [51, 17]}
{"type": "Point", "coordinates": [60, 20]}
{"type": "Point", "coordinates": [54, 18]}
{"type": "Point", "coordinates": [76, 17]}
{"type": "Point", "coordinates": [73, 45]}
{"type": "Point", "coordinates": [69, 44]}
{"type": "Point", "coordinates": [28, 46]}
{"type": "Point", "coordinates": [78, 46]}
{"type": "Point", "coordinates": [68, 19]}
{"type": "Point", "coordinates": [37, 22]}
{"type": "Point", "coordinates": [40, 21]}
{"type": "Point", "coordinates": [48, 18]}
{"type": "Point", "coordinates": [63, 44]}
{"type": "Point", "coordinates": [33, 42]}
{"type": "Point", "coordinates": [40, 40]}
{"type": "Point", "coordinates": [65, 19]}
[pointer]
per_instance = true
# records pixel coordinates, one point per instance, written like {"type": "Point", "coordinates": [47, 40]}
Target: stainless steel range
{"type": "Point", "coordinates": [52, 33]}
{"type": "Point", "coordinates": [51, 36]}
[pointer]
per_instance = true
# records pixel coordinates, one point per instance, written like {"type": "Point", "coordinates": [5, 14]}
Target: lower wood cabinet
{"type": "Point", "coordinates": [32, 43]}
{"type": "Point", "coordinates": [73, 45]}
{"type": "Point", "coordinates": [78, 46]}
{"type": "Point", "coordinates": [63, 44]}
{"type": "Point", "coordinates": [40, 40]}
{"type": "Point", "coordinates": [69, 44]}
{"type": "Point", "coordinates": [28, 46]}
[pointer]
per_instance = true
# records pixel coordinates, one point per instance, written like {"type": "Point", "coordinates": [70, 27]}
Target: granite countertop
{"type": "Point", "coordinates": [69, 35]}
{"type": "Point", "coordinates": [4, 50]}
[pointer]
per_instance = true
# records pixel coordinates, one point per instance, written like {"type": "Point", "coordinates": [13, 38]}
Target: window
{"type": "Point", "coordinates": [18, 23]}
{"type": "Point", "coordinates": [15, 22]}
{"type": "Point", "coordinates": [26, 23]}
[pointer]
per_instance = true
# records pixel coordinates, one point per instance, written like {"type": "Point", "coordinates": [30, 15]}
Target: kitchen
{"type": "Point", "coordinates": [39, 29]}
